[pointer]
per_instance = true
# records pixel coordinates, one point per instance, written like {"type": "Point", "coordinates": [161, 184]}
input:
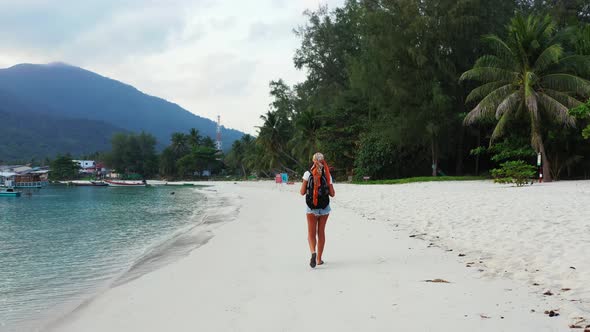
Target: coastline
{"type": "Point", "coordinates": [220, 208]}
{"type": "Point", "coordinates": [253, 275]}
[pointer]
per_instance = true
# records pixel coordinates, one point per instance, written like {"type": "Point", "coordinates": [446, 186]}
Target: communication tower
{"type": "Point", "coordinates": [218, 139]}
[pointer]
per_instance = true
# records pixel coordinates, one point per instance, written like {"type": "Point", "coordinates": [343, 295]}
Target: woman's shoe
{"type": "Point", "coordinates": [312, 261]}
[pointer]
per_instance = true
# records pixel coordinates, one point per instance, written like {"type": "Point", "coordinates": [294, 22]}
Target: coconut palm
{"type": "Point", "coordinates": [240, 154]}
{"type": "Point", "coordinates": [305, 141]}
{"type": "Point", "coordinates": [179, 144]}
{"type": "Point", "coordinates": [272, 137]}
{"type": "Point", "coordinates": [194, 138]}
{"type": "Point", "coordinates": [253, 154]}
{"type": "Point", "coordinates": [528, 73]}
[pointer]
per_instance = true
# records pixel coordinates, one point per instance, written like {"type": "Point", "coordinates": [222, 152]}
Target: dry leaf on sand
{"type": "Point", "coordinates": [440, 281]}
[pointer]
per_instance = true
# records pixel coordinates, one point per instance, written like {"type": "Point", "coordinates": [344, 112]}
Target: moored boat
{"type": "Point", "coordinates": [9, 192]}
{"type": "Point", "coordinates": [124, 183]}
{"type": "Point", "coordinates": [86, 183]}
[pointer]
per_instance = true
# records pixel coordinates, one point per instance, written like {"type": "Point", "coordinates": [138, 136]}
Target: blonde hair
{"type": "Point", "coordinates": [318, 156]}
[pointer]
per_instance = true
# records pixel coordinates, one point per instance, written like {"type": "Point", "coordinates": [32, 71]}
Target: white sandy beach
{"type": "Point", "coordinates": [253, 274]}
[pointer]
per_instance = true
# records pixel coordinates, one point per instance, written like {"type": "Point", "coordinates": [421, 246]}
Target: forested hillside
{"type": "Point", "coordinates": [70, 92]}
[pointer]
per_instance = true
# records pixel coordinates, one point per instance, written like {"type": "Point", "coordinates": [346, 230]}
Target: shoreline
{"type": "Point", "coordinates": [167, 250]}
{"type": "Point", "coordinates": [253, 275]}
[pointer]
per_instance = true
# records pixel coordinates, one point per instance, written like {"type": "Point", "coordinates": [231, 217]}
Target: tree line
{"type": "Point", "coordinates": [410, 87]}
{"type": "Point", "coordinates": [135, 156]}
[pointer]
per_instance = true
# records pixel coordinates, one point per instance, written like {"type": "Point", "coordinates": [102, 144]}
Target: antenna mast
{"type": "Point", "coordinates": [218, 141]}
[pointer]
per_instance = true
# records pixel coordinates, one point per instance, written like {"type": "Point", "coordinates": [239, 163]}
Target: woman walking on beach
{"type": "Point", "coordinates": [317, 188]}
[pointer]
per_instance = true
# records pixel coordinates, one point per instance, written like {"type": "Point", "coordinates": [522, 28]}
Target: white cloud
{"type": "Point", "coordinates": [223, 23]}
{"type": "Point", "coordinates": [128, 33]}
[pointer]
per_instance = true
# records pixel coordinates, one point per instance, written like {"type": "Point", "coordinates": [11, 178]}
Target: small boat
{"type": "Point", "coordinates": [86, 183]}
{"type": "Point", "coordinates": [9, 192]}
{"type": "Point", "coordinates": [123, 183]}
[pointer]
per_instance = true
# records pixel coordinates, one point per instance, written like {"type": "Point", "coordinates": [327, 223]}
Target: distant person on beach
{"type": "Point", "coordinates": [317, 188]}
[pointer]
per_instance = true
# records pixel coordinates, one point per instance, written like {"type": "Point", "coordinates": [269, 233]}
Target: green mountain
{"type": "Point", "coordinates": [78, 101]}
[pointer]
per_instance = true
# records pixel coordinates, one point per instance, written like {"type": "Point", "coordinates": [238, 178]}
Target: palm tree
{"type": "Point", "coordinates": [179, 144]}
{"type": "Point", "coordinates": [194, 138]}
{"type": "Point", "coordinates": [529, 73]}
{"type": "Point", "coordinates": [235, 158]}
{"type": "Point", "coordinates": [272, 137]}
{"type": "Point", "coordinates": [306, 140]}
{"type": "Point", "coordinates": [251, 159]}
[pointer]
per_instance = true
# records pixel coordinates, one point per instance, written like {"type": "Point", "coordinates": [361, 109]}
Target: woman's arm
{"type": "Point", "coordinates": [332, 192]}
{"type": "Point", "coordinates": [303, 188]}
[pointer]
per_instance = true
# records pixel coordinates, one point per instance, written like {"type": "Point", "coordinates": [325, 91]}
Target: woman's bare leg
{"type": "Point", "coordinates": [312, 221]}
{"type": "Point", "coordinates": [321, 236]}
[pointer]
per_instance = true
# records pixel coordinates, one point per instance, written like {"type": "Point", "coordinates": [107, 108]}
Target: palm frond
{"type": "Point", "coordinates": [577, 64]}
{"type": "Point", "coordinates": [492, 61]}
{"type": "Point", "coordinates": [531, 78]}
{"type": "Point", "coordinates": [548, 57]}
{"type": "Point", "coordinates": [499, 47]}
{"type": "Point", "coordinates": [563, 98]}
{"type": "Point", "coordinates": [544, 26]}
{"type": "Point", "coordinates": [487, 106]}
{"type": "Point", "coordinates": [556, 109]}
{"type": "Point", "coordinates": [509, 103]}
{"type": "Point", "coordinates": [483, 90]}
{"type": "Point", "coordinates": [500, 128]}
{"type": "Point", "coordinates": [567, 82]}
{"type": "Point", "coordinates": [581, 39]}
{"type": "Point", "coordinates": [489, 74]}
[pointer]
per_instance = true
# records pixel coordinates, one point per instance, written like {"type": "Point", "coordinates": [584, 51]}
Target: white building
{"type": "Point", "coordinates": [86, 166]}
{"type": "Point", "coordinates": [85, 163]}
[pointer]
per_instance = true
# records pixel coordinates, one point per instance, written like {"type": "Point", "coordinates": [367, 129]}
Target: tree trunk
{"type": "Point", "coordinates": [537, 142]}
{"type": "Point", "coordinates": [545, 162]}
{"type": "Point", "coordinates": [477, 156]}
{"type": "Point", "coordinates": [459, 164]}
{"type": "Point", "coordinates": [434, 157]}
{"type": "Point", "coordinates": [289, 156]}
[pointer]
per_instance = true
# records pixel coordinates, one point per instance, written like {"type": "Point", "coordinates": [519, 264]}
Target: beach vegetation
{"type": "Point", "coordinates": [582, 113]}
{"type": "Point", "coordinates": [511, 148]}
{"type": "Point", "coordinates": [189, 156]}
{"type": "Point", "coordinates": [63, 168]}
{"type": "Point", "coordinates": [134, 153]}
{"type": "Point", "coordinates": [516, 171]}
{"type": "Point", "coordinates": [528, 74]}
{"type": "Point", "coordinates": [403, 89]}
{"type": "Point", "coordinates": [242, 157]}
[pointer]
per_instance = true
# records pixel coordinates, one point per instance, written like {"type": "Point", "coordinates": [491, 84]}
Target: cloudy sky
{"type": "Point", "coordinates": [210, 57]}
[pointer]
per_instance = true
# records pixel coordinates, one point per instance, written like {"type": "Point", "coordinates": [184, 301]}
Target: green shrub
{"type": "Point", "coordinates": [582, 112]}
{"type": "Point", "coordinates": [512, 148]}
{"type": "Point", "coordinates": [517, 172]}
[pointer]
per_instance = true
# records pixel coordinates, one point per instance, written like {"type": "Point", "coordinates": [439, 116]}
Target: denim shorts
{"type": "Point", "coordinates": [319, 212]}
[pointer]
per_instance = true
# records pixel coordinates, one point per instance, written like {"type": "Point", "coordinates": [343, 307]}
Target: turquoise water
{"type": "Point", "coordinates": [61, 245]}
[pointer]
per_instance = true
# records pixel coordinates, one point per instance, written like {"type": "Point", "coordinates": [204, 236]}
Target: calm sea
{"type": "Point", "coordinates": [61, 245]}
